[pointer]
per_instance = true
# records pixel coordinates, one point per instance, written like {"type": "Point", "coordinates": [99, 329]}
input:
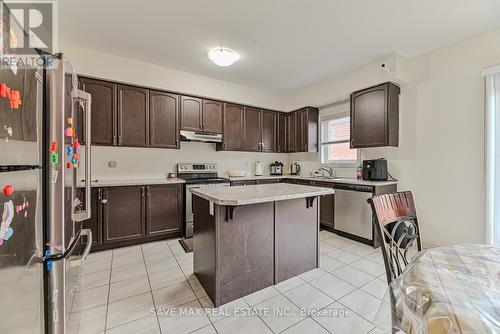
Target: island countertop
{"type": "Point", "coordinates": [253, 194]}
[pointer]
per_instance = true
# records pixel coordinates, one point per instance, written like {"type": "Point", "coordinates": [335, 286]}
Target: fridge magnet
{"type": "Point", "coordinates": [22, 207]}
{"type": "Point", "coordinates": [54, 158]}
{"type": "Point", "coordinates": [8, 190]}
{"type": "Point", "coordinates": [8, 132]}
{"type": "Point", "coordinates": [7, 215]}
{"type": "Point", "coordinates": [69, 132]}
{"type": "Point", "coordinates": [68, 165]}
{"type": "Point", "coordinates": [15, 99]}
{"type": "Point", "coordinates": [53, 146]}
{"type": "Point", "coordinates": [70, 150]}
{"type": "Point", "coordinates": [13, 95]}
{"type": "Point", "coordinates": [70, 120]}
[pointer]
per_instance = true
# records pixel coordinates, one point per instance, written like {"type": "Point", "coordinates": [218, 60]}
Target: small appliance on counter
{"type": "Point", "coordinates": [276, 168]}
{"type": "Point", "coordinates": [258, 169]}
{"type": "Point", "coordinates": [375, 170]}
{"type": "Point", "coordinates": [295, 169]}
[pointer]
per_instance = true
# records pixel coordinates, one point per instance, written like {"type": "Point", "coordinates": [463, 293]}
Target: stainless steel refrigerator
{"type": "Point", "coordinates": [42, 243]}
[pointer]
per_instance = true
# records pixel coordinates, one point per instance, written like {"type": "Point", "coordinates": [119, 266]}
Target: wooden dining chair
{"type": "Point", "coordinates": [397, 226]}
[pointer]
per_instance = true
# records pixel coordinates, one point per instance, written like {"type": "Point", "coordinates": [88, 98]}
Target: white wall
{"type": "Point", "coordinates": [102, 65]}
{"type": "Point", "coordinates": [441, 149]}
{"type": "Point", "coordinates": [153, 163]}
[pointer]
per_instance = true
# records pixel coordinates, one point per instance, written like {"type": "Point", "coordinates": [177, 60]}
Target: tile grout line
{"type": "Point", "coordinates": [109, 290]}
{"type": "Point", "coordinates": [197, 298]}
{"type": "Point", "coordinates": [151, 288]}
{"type": "Point", "coordinates": [130, 321]}
{"type": "Point", "coordinates": [334, 299]}
{"type": "Point", "coordinates": [338, 300]}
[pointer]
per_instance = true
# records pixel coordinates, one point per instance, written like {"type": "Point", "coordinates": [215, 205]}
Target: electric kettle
{"type": "Point", "coordinates": [295, 169]}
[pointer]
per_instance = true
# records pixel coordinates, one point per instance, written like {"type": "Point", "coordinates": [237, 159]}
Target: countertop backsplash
{"type": "Point", "coordinates": [152, 163]}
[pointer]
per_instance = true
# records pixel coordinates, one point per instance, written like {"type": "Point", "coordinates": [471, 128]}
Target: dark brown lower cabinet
{"type": "Point", "coordinates": [123, 216]}
{"type": "Point", "coordinates": [243, 182]}
{"type": "Point", "coordinates": [267, 181]}
{"type": "Point", "coordinates": [164, 209]}
{"type": "Point", "coordinates": [123, 213]}
{"type": "Point", "coordinates": [327, 206]}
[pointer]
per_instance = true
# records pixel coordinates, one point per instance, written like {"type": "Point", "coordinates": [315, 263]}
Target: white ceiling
{"type": "Point", "coordinates": [284, 44]}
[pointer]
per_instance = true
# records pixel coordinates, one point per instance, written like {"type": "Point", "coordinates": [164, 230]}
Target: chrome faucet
{"type": "Point", "coordinates": [329, 170]}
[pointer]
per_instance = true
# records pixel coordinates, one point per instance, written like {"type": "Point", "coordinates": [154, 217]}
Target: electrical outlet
{"type": "Point", "coordinates": [112, 164]}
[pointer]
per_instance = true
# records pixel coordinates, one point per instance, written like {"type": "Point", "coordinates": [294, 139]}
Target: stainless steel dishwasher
{"type": "Point", "coordinates": [353, 214]}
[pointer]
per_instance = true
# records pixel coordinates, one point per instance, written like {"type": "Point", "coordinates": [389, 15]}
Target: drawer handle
{"type": "Point", "coordinates": [104, 201]}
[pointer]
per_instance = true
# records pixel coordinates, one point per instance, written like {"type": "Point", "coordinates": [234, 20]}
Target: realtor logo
{"type": "Point", "coordinates": [26, 26]}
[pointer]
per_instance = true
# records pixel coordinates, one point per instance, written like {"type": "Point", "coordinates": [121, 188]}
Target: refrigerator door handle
{"type": "Point", "coordinates": [64, 255]}
{"type": "Point", "coordinates": [88, 233]}
{"type": "Point", "coordinates": [86, 99]}
{"type": "Point", "coordinates": [76, 263]}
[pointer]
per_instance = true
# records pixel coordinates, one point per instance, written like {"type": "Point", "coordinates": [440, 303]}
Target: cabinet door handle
{"type": "Point", "coordinates": [305, 147]}
{"type": "Point", "coordinates": [114, 139]}
{"type": "Point", "coordinates": [119, 140]}
{"type": "Point", "coordinates": [104, 201]}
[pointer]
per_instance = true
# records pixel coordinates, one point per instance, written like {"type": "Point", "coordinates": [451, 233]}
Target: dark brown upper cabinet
{"type": "Point", "coordinates": [163, 119]}
{"type": "Point", "coordinates": [252, 124]}
{"type": "Point", "coordinates": [212, 116]}
{"type": "Point", "coordinates": [104, 111]}
{"type": "Point", "coordinates": [269, 131]}
{"type": "Point", "coordinates": [191, 113]}
{"type": "Point", "coordinates": [164, 209]}
{"type": "Point", "coordinates": [201, 115]}
{"type": "Point", "coordinates": [306, 135]}
{"type": "Point", "coordinates": [281, 135]}
{"type": "Point", "coordinates": [133, 116]}
{"type": "Point", "coordinates": [375, 116]}
{"type": "Point", "coordinates": [291, 130]}
{"type": "Point", "coordinates": [123, 213]}
{"type": "Point", "coordinates": [233, 128]}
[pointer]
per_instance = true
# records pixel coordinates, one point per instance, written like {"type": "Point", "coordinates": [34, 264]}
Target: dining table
{"type": "Point", "coordinates": [447, 290]}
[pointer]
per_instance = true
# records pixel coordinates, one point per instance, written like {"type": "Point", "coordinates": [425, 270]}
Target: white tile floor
{"type": "Point", "coordinates": [121, 290]}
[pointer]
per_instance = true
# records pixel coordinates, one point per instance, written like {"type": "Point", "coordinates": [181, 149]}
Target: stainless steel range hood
{"type": "Point", "coordinates": [201, 137]}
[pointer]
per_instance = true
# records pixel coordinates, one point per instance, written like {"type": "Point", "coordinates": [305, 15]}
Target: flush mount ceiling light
{"type": "Point", "coordinates": [223, 56]}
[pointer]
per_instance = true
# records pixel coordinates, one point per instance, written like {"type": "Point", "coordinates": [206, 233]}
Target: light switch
{"type": "Point", "coordinates": [112, 164]}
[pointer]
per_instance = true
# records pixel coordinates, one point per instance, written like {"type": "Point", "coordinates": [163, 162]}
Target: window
{"type": "Point", "coordinates": [335, 136]}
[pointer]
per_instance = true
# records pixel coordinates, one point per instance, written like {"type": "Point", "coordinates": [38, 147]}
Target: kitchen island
{"type": "Point", "coordinates": [247, 238]}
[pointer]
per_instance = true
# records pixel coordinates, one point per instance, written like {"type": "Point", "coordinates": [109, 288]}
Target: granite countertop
{"type": "Point", "coordinates": [343, 180]}
{"type": "Point", "coordinates": [253, 194]}
{"type": "Point", "coordinates": [130, 182]}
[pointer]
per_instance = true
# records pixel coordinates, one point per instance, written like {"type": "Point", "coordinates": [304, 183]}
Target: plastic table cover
{"type": "Point", "coordinates": [453, 289]}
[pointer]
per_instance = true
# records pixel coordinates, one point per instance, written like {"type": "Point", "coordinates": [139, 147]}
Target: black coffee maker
{"type": "Point", "coordinates": [276, 168]}
{"type": "Point", "coordinates": [375, 170]}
